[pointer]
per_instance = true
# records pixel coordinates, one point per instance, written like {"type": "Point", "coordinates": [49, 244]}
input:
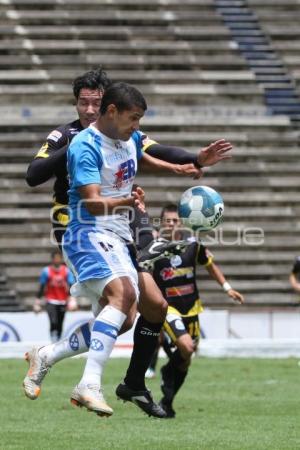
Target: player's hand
{"type": "Point", "coordinates": [215, 152]}
{"type": "Point", "coordinates": [139, 199]}
{"type": "Point", "coordinates": [235, 295]}
{"type": "Point", "coordinates": [188, 169]}
{"type": "Point", "coordinates": [199, 173]}
{"type": "Point", "coordinates": [37, 308]}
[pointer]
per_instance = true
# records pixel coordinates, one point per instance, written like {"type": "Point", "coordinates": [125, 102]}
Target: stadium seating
{"type": "Point", "coordinates": [199, 88]}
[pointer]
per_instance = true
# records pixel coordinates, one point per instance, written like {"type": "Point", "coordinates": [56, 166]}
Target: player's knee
{"type": "Point", "coordinates": [129, 321]}
{"type": "Point", "coordinates": [186, 350]}
{"type": "Point", "coordinates": [155, 311]}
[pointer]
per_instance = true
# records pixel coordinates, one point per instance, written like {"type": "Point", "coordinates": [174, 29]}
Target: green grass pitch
{"type": "Point", "coordinates": [234, 404]}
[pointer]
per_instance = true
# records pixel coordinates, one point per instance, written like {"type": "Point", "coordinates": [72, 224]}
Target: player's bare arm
{"type": "Point", "coordinates": [98, 205]}
{"type": "Point", "coordinates": [148, 162]}
{"type": "Point", "coordinates": [216, 273]}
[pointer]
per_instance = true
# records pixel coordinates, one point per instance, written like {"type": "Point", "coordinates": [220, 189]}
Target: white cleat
{"type": "Point", "coordinates": [91, 397]}
{"type": "Point", "coordinates": [38, 369]}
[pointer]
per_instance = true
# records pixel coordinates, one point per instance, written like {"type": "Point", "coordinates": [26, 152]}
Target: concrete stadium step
{"type": "Point", "coordinates": [18, 259]}
{"type": "Point", "coordinates": [17, 185]}
{"type": "Point", "coordinates": [119, 4]}
{"type": "Point", "coordinates": [237, 256]}
{"type": "Point", "coordinates": [269, 300]}
{"type": "Point", "coordinates": [67, 75]}
{"type": "Point", "coordinates": [160, 122]}
{"type": "Point", "coordinates": [285, 243]}
{"type": "Point", "coordinates": [205, 32]}
{"type": "Point", "coordinates": [26, 200]}
{"type": "Point", "coordinates": [65, 47]}
{"type": "Point", "coordinates": [233, 271]}
{"type": "Point", "coordinates": [128, 59]}
{"type": "Point", "coordinates": [259, 286]}
{"type": "Point", "coordinates": [244, 213]}
{"type": "Point", "coordinates": [21, 154]}
{"type": "Point", "coordinates": [265, 198]}
{"type": "Point", "coordinates": [21, 215]}
{"type": "Point", "coordinates": [224, 184]}
{"type": "Point", "coordinates": [24, 244]}
{"type": "Point", "coordinates": [25, 230]}
{"type": "Point", "coordinates": [109, 16]}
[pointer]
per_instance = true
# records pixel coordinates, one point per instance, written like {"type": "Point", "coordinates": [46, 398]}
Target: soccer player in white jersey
{"type": "Point", "coordinates": [102, 164]}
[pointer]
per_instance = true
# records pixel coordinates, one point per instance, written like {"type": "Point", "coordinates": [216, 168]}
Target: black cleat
{"type": "Point", "coordinates": [143, 399]}
{"type": "Point", "coordinates": [158, 249]}
{"type": "Point", "coordinates": [167, 407]}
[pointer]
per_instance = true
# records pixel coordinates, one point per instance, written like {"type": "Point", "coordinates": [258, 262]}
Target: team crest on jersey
{"type": "Point", "coordinates": [55, 135]}
{"type": "Point", "coordinates": [168, 273]}
{"type": "Point", "coordinates": [176, 261]}
{"type": "Point", "coordinates": [124, 174]}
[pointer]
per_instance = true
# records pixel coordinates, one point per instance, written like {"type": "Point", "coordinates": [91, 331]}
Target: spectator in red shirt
{"type": "Point", "coordinates": [55, 282]}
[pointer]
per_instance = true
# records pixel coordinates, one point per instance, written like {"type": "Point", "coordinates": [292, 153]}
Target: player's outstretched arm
{"type": "Point", "coordinates": [51, 156]}
{"type": "Point", "coordinates": [215, 152]}
{"type": "Point", "coordinates": [216, 273]}
{"type": "Point", "coordinates": [98, 205]}
{"type": "Point", "coordinates": [148, 162]}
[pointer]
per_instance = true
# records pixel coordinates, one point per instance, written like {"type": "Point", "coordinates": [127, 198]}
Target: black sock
{"type": "Point", "coordinates": [174, 377]}
{"type": "Point", "coordinates": [145, 340]}
{"type": "Point", "coordinates": [153, 361]}
{"type": "Point", "coordinates": [179, 378]}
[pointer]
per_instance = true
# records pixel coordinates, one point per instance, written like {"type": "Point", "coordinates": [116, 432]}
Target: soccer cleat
{"type": "Point", "coordinates": [158, 249]}
{"type": "Point", "coordinates": [167, 407]}
{"type": "Point", "coordinates": [38, 369]}
{"type": "Point", "coordinates": [142, 398]}
{"type": "Point", "coordinates": [91, 397]}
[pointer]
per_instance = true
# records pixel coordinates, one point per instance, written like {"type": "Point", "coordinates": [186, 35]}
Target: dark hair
{"type": "Point", "coordinates": [55, 252]}
{"type": "Point", "coordinates": [94, 79]}
{"type": "Point", "coordinates": [170, 207]}
{"type": "Point", "coordinates": [123, 96]}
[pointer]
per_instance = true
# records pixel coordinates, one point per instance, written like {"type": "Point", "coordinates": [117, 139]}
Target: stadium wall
{"type": "Point", "coordinates": [227, 333]}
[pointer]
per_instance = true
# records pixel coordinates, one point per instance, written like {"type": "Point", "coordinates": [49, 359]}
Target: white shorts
{"type": "Point", "coordinates": [96, 260]}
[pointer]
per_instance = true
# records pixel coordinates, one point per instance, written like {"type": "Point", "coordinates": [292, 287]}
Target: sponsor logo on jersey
{"type": "Point", "coordinates": [168, 273]}
{"type": "Point", "coordinates": [125, 173]}
{"type": "Point", "coordinates": [176, 261]}
{"type": "Point", "coordinates": [180, 291]}
{"type": "Point", "coordinates": [54, 136]}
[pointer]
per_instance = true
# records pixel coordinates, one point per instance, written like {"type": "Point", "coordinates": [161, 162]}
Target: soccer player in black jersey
{"type": "Point", "coordinates": [176, 278]}
{"type": "Point", "coordinates": [50, 161]}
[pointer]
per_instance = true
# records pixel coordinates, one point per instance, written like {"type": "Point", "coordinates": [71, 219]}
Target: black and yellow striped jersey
{"type": "Point", "coordinates": [176, 278]}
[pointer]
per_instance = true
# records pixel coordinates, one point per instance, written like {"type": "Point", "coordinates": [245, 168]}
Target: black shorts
{"type": "Point", "coordinates": [133, 255]}
{"type": "Point", "coordinates": [177, 326]}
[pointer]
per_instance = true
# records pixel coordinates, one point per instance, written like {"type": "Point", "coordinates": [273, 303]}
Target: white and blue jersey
{"type": "Point", "coordinates": [92, 244]}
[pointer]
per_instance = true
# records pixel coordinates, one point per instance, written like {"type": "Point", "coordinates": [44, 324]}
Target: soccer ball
{"type": "Point", "coordinates": [201, 208]}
